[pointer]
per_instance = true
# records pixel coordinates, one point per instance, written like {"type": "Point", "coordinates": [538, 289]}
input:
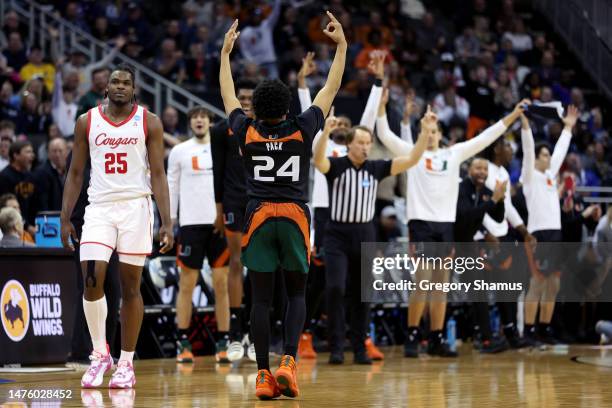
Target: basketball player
{"type": "Point", "coordinates": [539, 177]}
{"type": "Point", "coordinates": [192, 196]}
{"type": "Point", "coordinates": [352, 183]}
{"type": "Point", "coordinates": [231, 199]}
{"type": "Point", "coordinates": [431, 208]}
{"type": "Point", "coordinates": [499, 156]}
{"type": "Point", "coordinates": [336, 147]}
{"type": "Point", "coordinates": [276, 153]}
{"type": "Point", "coordinates": [125, 145]}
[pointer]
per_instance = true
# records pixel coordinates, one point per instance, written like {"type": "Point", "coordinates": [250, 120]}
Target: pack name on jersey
{"type": "Point", "coordinates": [273, 146]}
{"type": "Point", "coordinates": [114, 142]}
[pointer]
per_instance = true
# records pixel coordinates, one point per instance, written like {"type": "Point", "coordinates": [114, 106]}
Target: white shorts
{"type": "Point", "coordinates": [125, 226]}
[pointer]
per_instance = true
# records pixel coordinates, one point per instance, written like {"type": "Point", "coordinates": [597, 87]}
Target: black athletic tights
{"type": "Point", "coordinates": [262, 289]}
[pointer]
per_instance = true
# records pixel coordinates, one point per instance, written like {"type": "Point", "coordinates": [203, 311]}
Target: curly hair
{"type": "Point", "coordinates": [271, 100]}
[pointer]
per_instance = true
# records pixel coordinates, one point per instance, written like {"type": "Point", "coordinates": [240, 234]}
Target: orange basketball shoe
{"type": "Point", "coordinates": [305, 349]}
{"type": "Point", "coordinates": [265, 386]}
{"type": "Point", "coordinates": [286, 377]}
{"type": "Point", "coordinates": [373, 352]}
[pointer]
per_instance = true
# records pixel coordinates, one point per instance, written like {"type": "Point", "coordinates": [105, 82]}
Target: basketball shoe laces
{"type": "Point", "coordinates": [123, 371]}
{"type": "Point", "coordinates": [96, 363]}
{"type": "Point", "coordinates": [288, 361]}
{"type": "Point", "coordinates": [263, 378]}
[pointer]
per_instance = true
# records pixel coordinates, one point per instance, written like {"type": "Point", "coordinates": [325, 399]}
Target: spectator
{"type": "Point", "coordinates": [17, 179]}
{"type": "Point", "coordinates": [451, 108]}
{"type": "Point", "coordinates": [5, 145]}
{"type": "Point", "coordinates": [34, 117]}
{"type": "Point", "coordinates": [37, 68]}
{"type": "Point", "coordinates": [170, 120]}
{"type": "Point", "coordinates": [95, 96]}
{"type": "Point", "coordinates": [15, 52]}
{"type": "Point", "coordinates": [374, 44]}
{"type": "Point", "coordinates": [53, 132]}
{"type": "Point", "coordinates": [63, 106]}
{"type": "Point", "coordinates": [173, 32]}
{"type": "Point", "coordinates": [74, 15]}
{"type": "Point", "coordinates": [11, 225]}
{"type": "Point", "coordinates": [449, 72]}
{"type": "Point", "coordinates": [256, 41]}
{"type": "Point", "coordinates": [135, 25]}
{"type": "Point", "coordinates": [7, 110]}
{"type": "Point", "coordinates": [521, 41]}
{"type": "Point", "coordinates": [78, 60]}
{"type": "Point", "coordinates": [101, 29]}
{"type": "Point", "coordinates": [467, 45]}
{"type": "Point", "coordinates": [252, 72]}
{"type": "Point", "coordinates": [481, 99]}
{"type": "Point", "coordinates": [170, 62]}
{"type": "Point", "coordinates": [13, 25]}
{"type": "Point", "coordinates": [133, 49]}
{"type": "Point", "coordinates": [202, 9]}
{"type": "Point", "coordinates": [431, 35]}
{"type": "Point", "coordinates": [50, 176]}
{"type": "Point", "coordinates": [549, 74]}
{"type": "Point", "coordinates": [196, 69]}
{"type": "Point", "coordinates": [375, 24]}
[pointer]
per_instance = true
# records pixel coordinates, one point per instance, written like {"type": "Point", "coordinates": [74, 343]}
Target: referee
{"type": "Point", "coordinates": [352, 183]}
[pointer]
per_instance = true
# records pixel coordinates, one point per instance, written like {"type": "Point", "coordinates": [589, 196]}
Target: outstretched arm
{"type": "Point", "coordinates": [74, 179]}
{"type": "Point", "coordinates": [428, 126]}
{"type": "Point", "coordinates": [320, 159]}
{"type": "Point", "coordinates": [159, 183]}
{"type": "Point", "coordinates": [226, 82]}
{"type": "Point", "coordinates": [488, 136]}
{"type": "Point", "coordinates": [563, 143]}
{"type": "Point", "coordinates": [376, 67]}
{"type": "Point", "coordinates": [528, 145]}
{"type": "Point", "coordinates": [326, 95]}
{"type": "Point", "coordinates": [396, 146]}
{"type": "Point", "coordinates": [308, 67]}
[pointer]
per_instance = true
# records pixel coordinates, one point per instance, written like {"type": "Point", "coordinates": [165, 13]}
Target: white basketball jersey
{"type": "Point", "coordinates": [118, 151]}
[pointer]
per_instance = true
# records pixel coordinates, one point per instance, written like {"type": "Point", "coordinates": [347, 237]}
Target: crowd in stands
{"type": "Point", "coordinates": [473, 61]}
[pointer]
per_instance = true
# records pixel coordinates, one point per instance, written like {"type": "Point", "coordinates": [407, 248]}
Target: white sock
{"type": "Point", "coordinates": [126, 356]}
{"type": "Point", "coordinates": [95, 314]}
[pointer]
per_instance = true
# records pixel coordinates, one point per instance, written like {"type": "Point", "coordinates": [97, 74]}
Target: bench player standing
{"type": "Point", "coordinates": [125, 144]}
{"type": "Point", "coordinates": [192, 197]}
{"type": "Point", "coordinates": [276, 154]}
{"type": "Point", "coordinates": [231, 200]}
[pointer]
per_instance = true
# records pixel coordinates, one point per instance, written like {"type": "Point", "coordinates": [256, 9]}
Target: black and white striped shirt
{"type": "Point", "coordinates": [352, 190]}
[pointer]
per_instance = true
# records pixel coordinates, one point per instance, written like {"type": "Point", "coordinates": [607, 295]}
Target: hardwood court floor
{"type": "Point", "coordinates": [523, 378]}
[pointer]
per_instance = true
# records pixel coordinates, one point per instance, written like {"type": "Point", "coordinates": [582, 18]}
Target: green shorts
{"type": "Point", "coordinates": [276, 235]}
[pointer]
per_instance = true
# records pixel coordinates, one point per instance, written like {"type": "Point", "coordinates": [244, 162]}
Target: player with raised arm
{"type": "Point", "coordinates": [431, 207]}
{"type": "Point", "coordinates": [336, 147]}
{"type": "Point", "coordinates": [125, 145]}
{"type": "Point", "coordinates": [276, 153]}
{"type": "Point", "coordinates": [539, 177]}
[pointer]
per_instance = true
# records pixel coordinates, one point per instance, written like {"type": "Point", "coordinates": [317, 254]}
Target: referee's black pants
{"type": "Point", "coordinates": [343, 282]}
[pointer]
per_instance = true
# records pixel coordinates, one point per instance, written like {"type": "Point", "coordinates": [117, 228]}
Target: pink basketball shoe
{"type": "Point", "coordinates": [100, 365]}
{"type": "Point", "coordinates": [124, 376]}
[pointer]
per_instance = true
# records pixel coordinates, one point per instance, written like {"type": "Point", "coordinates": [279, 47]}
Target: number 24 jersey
{"type": "Point", "coordinates": [277, 158]}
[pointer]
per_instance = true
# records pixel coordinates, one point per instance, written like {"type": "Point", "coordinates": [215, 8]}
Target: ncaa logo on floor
{"type": "Point", "coordinates": [15, 312]}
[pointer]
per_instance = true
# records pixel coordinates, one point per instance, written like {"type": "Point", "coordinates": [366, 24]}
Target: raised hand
{"type": "Point", "coordinates": [520, 107]}
{"type": "Point", "coordinates": [334, 30]}
{"type": "Point", "coordinates": [376, 66]}
{"type": "Point", "coordinates": [571, 117]}
{"type": "Point", "coordinates": [430, 119]}
{"type": "Point", "coordinates": [230, 38]}
{"type": "Point", "coordinates": [500, 191]}
{"type": "Point", "coordinates": [331, 123]}
{"type": "Point", "coordinates": [308, 65]}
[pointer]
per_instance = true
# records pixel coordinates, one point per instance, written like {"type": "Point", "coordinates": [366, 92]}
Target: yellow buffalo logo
{"type": "Point", "coordinates": [15, 310]}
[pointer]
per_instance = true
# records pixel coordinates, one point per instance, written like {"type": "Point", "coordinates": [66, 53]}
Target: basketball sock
{"type": "Point", "coordinates": [95, 314]}
{"type": "Point", "coordinates": [183, 334]}
{"type": "Point", "coordinates": [126, 356]}
{"type": "Point", "coordinates": [296, 310]}
{"type": "Point", "coordinates": [236, 323]}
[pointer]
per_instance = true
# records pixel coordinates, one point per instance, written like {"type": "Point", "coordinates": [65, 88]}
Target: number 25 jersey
{"type": "Point", "coordinates": [118, 151]}
{"type": "Point", "coordinates": [277, 158]}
